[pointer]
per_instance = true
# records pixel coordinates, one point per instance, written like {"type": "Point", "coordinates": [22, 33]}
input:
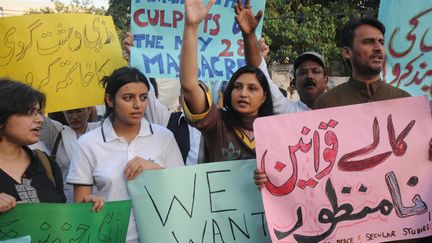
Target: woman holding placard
{"type": "Point", "coordinates": [124, 146]}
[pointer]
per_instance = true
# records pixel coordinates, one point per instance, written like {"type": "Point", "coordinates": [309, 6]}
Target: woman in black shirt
{"type": "Point", "coordinates": [22, 175]}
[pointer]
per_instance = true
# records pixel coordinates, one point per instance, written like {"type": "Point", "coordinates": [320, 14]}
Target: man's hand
{"type": "Point", "coordinates": [128, 42]}
{"type": "Point", "coordinates": [245, 18]}
{"type": "Point", "coordinates": [260, 178]}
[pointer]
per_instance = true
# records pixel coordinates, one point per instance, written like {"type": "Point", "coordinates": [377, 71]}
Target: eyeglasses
{"type": "Point", "coordinates": [34, 112]}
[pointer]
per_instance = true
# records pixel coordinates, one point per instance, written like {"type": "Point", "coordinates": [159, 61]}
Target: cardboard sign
{"type": "Point", "coordinates": [55, 222]}
{"type": "Point", "coordinates": [157, 27]}
{"type": "Point", "coordinates": [348, 174]}
{"type": "Point", "coordinates": [214, 202]}
{"type": "Point", "coordinates": [63, 55]}
{"type": "Point", "coordinates": [408, 43]}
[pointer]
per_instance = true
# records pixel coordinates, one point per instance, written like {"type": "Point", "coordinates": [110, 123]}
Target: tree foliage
{"type": "Point", "coordinates": [120, 12]}
{"type": "Point", "coordinates": [290, 26]}
{"type": "Point", "coordinates": [293, 26]}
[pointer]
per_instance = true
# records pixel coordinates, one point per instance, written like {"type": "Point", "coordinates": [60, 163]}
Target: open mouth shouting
{"type": "Point", "coordinates": [36, 130]}
{"type": "Point", "coordinates": [377, 58]}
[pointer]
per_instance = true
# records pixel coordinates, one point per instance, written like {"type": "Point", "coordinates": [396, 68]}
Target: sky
{"type": "Point", "coordinates": [96, 3]}
{"type": "Point", "coordinates": [19, 7]}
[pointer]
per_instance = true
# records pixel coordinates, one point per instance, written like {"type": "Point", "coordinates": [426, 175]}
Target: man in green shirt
{"type": "Point", "coordinates": [362, 42]}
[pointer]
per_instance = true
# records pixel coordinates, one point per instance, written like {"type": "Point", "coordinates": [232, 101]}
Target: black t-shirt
{"type": "Point", "coordinates": [35, 186]}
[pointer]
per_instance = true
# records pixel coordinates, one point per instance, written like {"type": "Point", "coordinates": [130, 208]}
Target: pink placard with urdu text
{"type": "Point", "coordinates": [356, 173]}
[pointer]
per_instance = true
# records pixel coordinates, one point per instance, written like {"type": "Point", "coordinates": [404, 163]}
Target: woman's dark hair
{"type": "Point", "coordinates": [155, 86]}
{"type": "Point", "coordinates": [117, 79]}
{"type": "Point", "coordinates": [233, 118]}
{"type": "Point", "coordinates": [18, 99]}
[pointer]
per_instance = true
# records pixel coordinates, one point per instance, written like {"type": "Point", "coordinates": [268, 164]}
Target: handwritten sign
{"type": "Point", "coordinates": [64, 55]}
{"type": "Point", "coordinates": [215, 202]}
{"type": "Point", "coordinates": [49, 222]}
{"type": "Point", "coordinates": [408, 45]}
{"type": "Point", "coordinates": [157, 27]}
{"type": "Point", "coordinates": [348, 174]}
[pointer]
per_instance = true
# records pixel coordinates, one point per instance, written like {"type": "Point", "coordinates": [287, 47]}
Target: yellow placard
{"type": "Point", "coordinates": [63, 55]}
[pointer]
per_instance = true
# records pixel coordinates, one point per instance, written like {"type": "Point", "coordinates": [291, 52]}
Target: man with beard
{"type": "Point", "coordinates": [362, 42]}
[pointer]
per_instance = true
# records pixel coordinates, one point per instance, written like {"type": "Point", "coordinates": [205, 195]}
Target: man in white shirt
{"type": "Point", "coordinates": [309, 75]}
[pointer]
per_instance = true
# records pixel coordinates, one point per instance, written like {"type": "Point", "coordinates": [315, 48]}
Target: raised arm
{"type": "Point", "coordinates": [248, 23]}
{"type": "Point", "coordinates": [195, 98]}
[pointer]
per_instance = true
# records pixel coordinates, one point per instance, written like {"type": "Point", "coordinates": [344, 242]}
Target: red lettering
{"type": "Point", "coordinates": [411, 36]}
{"type": "Point", "coordinates": [316, 146]}
{"type": "Point", "coordinates": [178, 16]}
{"type": "Point", "coordinates": [137, 20]}
{"type": "Point", "coordinates": [156, 17]}
{"type": "Point", "coordinates": [396, 71]}
{"type": "Point", "coordinates": [330, 153]}
{"type": "Point", "coordinates": [398, 145]}
{"type": "Point", "coordinates": [409, 68]}
{"type": "Point", "coordinates": [395, 53]}
{"type": "Point", "coordinates": [162, 19]}
{"type": "Point", "coordinates": [226, 52]}
{"type": "Point", "coordinates": [240, 50]}
{"type": "Point", "coordinates": [153, 21]}
{"type": "Point", "coordinates": [423, 46]}
{"type": "Point", "coordinates": [346, 164]}
{"type": "Point", "coordinates": [207, 18]}
{"type": "Point", "coordinates": [289, 185]}
{"type": "Point", "coordinates": [215, 31]}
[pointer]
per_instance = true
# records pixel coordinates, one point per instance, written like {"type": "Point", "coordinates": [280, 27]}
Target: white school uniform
{"type": "Point", "coordinates": [101, 158]}
{"type": "Point", "coordinates": [158, 113]}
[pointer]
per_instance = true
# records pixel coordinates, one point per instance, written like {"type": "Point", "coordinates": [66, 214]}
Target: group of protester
{"type": "Point", "coordinates": [133, 136]}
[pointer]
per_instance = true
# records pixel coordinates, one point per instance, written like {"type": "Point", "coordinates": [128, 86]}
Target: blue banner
{"type": "Point", "coordinates": [408, 45]}
{"type": "Point", "coordinates": [157, 27]}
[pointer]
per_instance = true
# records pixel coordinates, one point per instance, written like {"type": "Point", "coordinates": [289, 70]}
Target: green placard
{"type": "Point", "coordinates": [53, 222]}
